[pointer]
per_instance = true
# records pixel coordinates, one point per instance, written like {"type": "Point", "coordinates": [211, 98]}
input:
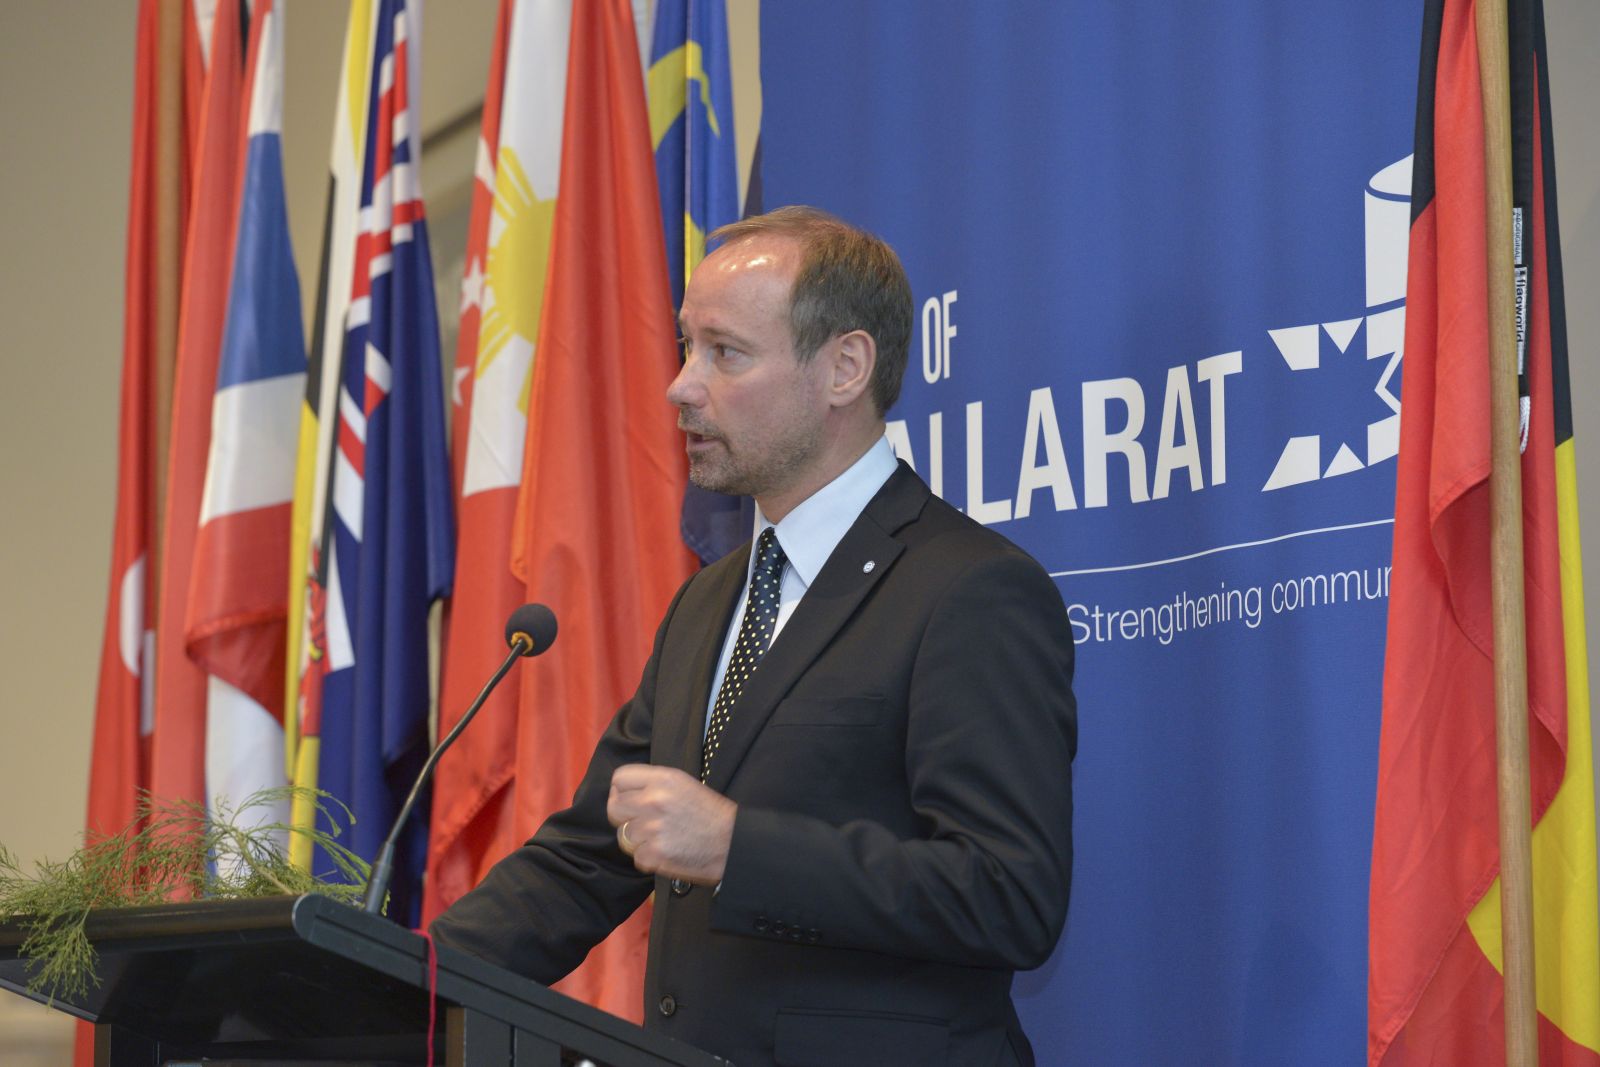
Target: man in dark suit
{"type": "Point", "coordinates": [846, 771]}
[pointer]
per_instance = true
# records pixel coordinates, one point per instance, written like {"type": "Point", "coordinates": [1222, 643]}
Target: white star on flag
{"type": "Point", "coordinates": [472, 286]}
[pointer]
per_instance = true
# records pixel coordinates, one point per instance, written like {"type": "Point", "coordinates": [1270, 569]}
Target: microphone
{"type": "Point", "coordinates": [534, 626]}
{"type": "Point", "coordinates": [530, 630]}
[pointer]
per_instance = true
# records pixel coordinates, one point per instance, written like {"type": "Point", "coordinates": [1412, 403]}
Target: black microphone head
{"type": "Point", "coordinates": [535, 624]}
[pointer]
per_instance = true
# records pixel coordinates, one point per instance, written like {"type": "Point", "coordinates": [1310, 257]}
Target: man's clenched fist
{"type": "Point", "coordinates": [671, 824]}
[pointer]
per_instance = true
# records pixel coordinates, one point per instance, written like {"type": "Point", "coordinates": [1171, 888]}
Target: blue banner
{"type": "Point", "coordinates": [1158, 253]}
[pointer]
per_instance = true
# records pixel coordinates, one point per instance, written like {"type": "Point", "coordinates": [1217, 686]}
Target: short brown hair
{"type": "Point", "coordinates": [848, 280]}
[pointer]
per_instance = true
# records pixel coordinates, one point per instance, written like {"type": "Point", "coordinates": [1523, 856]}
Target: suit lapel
{"type": "Point", "coordinates": [840, 587]}
{"type": "Point", "coordinates": [723, 582]}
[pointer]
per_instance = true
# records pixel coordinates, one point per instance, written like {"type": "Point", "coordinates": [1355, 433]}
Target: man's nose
{"type": "Point", "coordinates": [686, 389]}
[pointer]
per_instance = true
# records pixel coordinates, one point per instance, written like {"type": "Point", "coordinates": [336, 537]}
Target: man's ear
{"type": "Point", "coordinates": [854, 356]}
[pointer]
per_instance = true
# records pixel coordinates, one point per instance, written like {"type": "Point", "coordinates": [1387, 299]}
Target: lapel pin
{"type": "Point", "coordinates": [866, 568]}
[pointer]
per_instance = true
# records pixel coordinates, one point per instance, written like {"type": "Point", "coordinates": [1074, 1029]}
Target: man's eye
{"type": "Point", "coordinates": [683, 350]}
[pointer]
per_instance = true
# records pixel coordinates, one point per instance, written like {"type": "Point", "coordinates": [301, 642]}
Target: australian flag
{"type": "Point", "coordinates": [391, 551]}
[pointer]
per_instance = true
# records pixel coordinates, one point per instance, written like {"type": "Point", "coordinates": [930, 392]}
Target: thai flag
{"type": "Point", "coordinates": [392, 552]}
{"type": "Point", "coordinates": [237, 599]}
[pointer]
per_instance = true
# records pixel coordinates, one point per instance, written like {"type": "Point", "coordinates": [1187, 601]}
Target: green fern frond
{"type": "Point", "coordinates": [172, 850]}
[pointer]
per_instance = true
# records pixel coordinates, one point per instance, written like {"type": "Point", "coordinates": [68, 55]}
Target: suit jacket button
{"type": "Point", "coordinates": [668, 1006]}
{"type": "Point", "coordinates": [780, 928]}
{"type": "Point", "coordinates": [680, 888]}
{"type": "Point", "coordinates": [761, 924]}
{"type": "Point", "coordinates": [813, 936]}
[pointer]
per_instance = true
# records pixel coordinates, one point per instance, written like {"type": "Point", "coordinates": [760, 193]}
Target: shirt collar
{"type": "Point", "coordinates": [811, 532]}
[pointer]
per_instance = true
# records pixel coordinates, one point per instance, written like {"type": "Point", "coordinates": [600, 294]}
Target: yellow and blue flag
{"type": "Point", "coordinates": [690, 88]}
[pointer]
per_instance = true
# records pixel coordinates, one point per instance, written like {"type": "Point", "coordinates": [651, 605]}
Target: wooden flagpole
{"type": "Point", "coordinates": [1506, 557]}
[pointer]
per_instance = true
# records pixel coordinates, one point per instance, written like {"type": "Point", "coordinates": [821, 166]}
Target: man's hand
{"type": "Point", "coordinates": [671, 824]}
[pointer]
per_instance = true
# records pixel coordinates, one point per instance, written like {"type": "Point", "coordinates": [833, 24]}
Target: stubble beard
{"type": "Point", "coordinates": [709, 474]}
{"type": "Point", "coordinates": [782, 462]}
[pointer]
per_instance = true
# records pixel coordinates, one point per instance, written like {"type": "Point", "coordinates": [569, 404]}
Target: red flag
{"type": "Point", "coordinates": [471, 821]}
{"type": "Point", "coordinates": [604, 469]}
{"type": "Point", "coordinates": [178, 747]}
{"type": "Point", "coordinates": [1435, 989]}
{"type": "Point", "coordinates": [119, 766]}
{"type": "Point", "coordinates": [168, 74]}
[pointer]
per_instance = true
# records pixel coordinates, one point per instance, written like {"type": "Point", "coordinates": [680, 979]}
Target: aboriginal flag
{"type": "Point", "coordinates": [1435, 990]}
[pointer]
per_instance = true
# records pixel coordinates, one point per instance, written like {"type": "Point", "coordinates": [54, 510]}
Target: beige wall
{"type": "Point", "coordinates": [66, 72]}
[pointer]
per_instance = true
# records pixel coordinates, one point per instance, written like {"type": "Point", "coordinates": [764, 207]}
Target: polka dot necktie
{"type": "Point", "coordinates": [755, 634]}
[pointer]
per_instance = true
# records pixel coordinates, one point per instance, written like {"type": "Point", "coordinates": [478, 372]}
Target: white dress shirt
{"type": "Point", "coordinates": [808, 535]}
